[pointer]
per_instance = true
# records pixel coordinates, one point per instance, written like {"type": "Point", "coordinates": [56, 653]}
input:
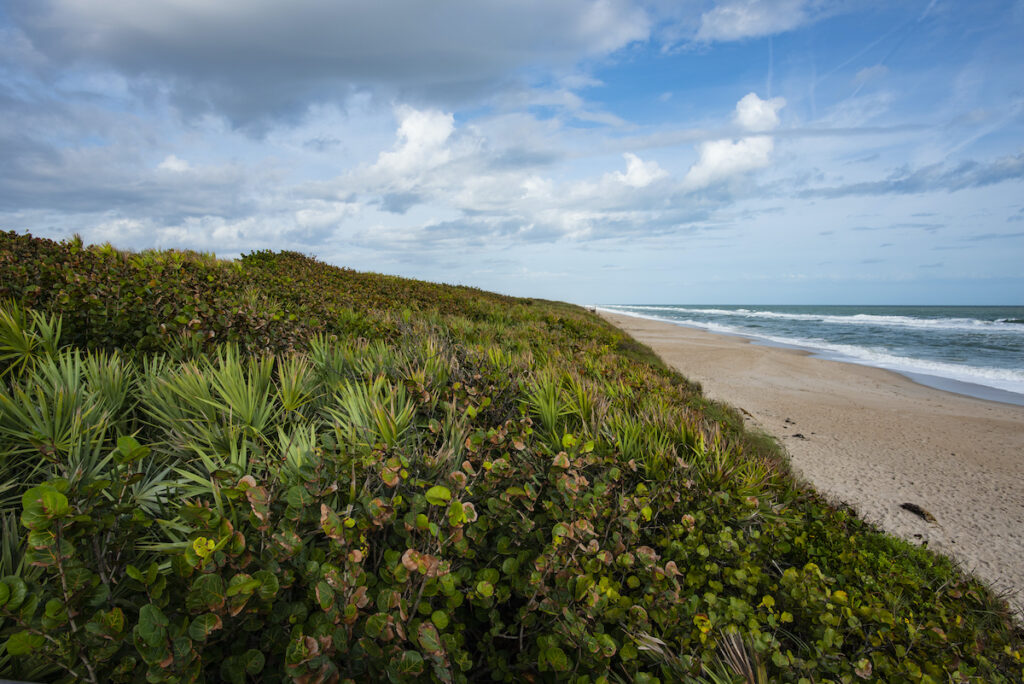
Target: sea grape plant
{"type": "Point", "coordinates": [502, 491]}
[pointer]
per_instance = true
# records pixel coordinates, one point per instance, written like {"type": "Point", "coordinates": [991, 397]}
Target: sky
{"type": "Point", "coordinates": [594, 151]}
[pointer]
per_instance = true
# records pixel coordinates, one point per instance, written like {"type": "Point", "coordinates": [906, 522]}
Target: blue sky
{"type": "Point", "coordinates": [608, 151]}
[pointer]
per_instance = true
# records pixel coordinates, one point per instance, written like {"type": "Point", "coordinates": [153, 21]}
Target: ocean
{"type": "Point", "coordinates": [972, 350]}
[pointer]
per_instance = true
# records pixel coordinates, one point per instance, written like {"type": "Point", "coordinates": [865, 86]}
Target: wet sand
{"type": "Point", "coordinates": [875, 440]}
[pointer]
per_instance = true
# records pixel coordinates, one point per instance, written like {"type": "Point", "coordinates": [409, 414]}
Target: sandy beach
{"type": "Point", "coordinates": [875, 440]}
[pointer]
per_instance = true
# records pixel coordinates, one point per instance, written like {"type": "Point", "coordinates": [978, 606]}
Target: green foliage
{"type": "Point", "coordinates": [413, 482]}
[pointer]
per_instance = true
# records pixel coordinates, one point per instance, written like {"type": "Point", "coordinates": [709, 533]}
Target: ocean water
{"type": "Point", "coordinates": [973, 350]}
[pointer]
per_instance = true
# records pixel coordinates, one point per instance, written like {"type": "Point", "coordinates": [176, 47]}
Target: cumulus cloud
{"type": "Point", "coordinates": [737, 19]}
{"type": "Point", "coordinates": [721, 159]}
{"type": "Point", "coordinates": [755, 114]}
{"type": "Point", "coordinates": [254, 59]}
{"type": "Point", "coordinates": [639, 173]}
{"type": "Point", "coordinates": [422, 138]}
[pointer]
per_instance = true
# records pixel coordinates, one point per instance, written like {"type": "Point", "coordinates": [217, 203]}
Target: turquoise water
{"type": "Point", "coordinates": [975, 350]}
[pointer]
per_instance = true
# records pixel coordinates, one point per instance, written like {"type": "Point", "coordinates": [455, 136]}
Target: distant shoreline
{"type": "Point", "coordinates": [950, 385]}
{"type": "Point", "coordinates": [875, 440]}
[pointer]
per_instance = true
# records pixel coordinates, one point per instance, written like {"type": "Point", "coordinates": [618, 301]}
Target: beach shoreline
{"type": "Point", "coordinates": [963, 387]}
{"type": "Point", "coordinates": [874, 439]}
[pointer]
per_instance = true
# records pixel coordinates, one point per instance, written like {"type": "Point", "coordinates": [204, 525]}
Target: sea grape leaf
{"type": "Point", "coordinates": [430, 640]}
{"type": "Point", "coordinates": [269, 584]}
{"type": "Point", "coordinates": [456, 513]}
{"type": "Point", "coordinates": [41, 505]}
{"type": "Point", "coordinates": [23, 643]}
{"type": "Point", "coordinates": [324, 595]}
{"type": "Point", "coordinates": [410, 663]}
{"type": "Point", "coordinates": [298, 496]}
{"type": "Point", "coordinates": [439, 495]}
{"type": "Point", "coordinates": [439, 618]}
{"type": "Point", "coordinates": [254, 661]}
{"type": "Point", "coordinates": [375, 625]}
{"type": "Point", "coordinates": [242, 583]}
{"type": "Point", "coordinates": [152, 625]}
{"type": "Point", "coordinates": [204, 625]}
{"type": "Point", "coordinates": [206, 594]}
{"type": "Point", "coordinates": [557, 659]}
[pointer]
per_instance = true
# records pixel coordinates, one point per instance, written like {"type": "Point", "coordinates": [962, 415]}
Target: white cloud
{"type": "Point", "coordinates": [755, 114]}
{"type": "Point", "coordinates": [639, 173]}
{"type": "Point", "coordinates": [174, 164]}
{"type": "Point", "coordinates": [422, 138]}
{"type": "Point", "coordinates": [721, 159]}
{"type": "Point", "coordinates": [737, 19]}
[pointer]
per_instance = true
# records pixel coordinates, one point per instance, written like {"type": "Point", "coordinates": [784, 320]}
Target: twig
{"type": "Point", "coordinates": [67, 605]}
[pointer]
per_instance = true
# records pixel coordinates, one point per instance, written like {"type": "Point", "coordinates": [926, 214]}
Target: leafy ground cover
{"type": "Point", "coordinates": [274, 470]}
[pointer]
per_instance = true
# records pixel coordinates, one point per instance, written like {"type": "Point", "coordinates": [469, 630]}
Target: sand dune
{"type": "Point", "coordinates": [875, 440]}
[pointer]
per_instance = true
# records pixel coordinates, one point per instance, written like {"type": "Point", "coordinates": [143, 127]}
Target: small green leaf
{"type": "Point", "coordinates": [456, 513]}
{"type": "Point", "coordinates": [375, 625]}
{"type": "Point", "coordinates": [298, 497]}
{"type": "Point", "coordinates": [429, 639]}
{"type": "Point", "coordinates": [440, 619]}
{"type": "Point", "coordinates": [204, 625]}
{"type": "Point", "coordinates": [324, 595]}
{"type": "Point", "coordinates": [607, 645]}
{"type": "Point", "coordinates": [254, 661]}
{"type": "Point", "coordinates": [23, 643]}
{"type": "Point", "coordinates": [410, 663]}
{"type": "Point", "coordinates": [485, 589]}
{"type": "Point", "coordinates": [128, 450]}
{"type": "Point", "coordinates": [41, 505]}
{"type": "Point", "coordinates": [18, 590]}
{"type": "Point", "coordinates": [269, 585]}
{"type": "Point", "coordinates": [206, 594]}
{"type": "Point", "coordinates": [152, 625]}
{"type": "Point", "coordinates": [243, 584]}
{"type": "Point", "coordinates": [438, 496]}
{"type": "Point", "coordinates": [557, 659]}
{"type": "Point", "coordinates": [53, 608]}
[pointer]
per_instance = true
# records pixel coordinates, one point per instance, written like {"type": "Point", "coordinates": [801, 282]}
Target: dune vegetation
{"type": "Point", "coordinates": [272, 469]}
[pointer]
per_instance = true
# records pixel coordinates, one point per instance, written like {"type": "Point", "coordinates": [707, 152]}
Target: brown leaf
{"type": "Point", "coordinates": [410, 559]}
{"type": "Point", "coordinates": [359, 597]}
{"type": "Point", "coordinates": [863, 669]}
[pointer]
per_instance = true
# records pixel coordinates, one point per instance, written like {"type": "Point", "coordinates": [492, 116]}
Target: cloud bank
{"type": "Point", "coordinates": [254, 59]}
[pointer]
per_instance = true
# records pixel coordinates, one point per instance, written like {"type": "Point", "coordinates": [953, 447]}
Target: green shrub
{"type": "Point", "coordinates": [483, 491]}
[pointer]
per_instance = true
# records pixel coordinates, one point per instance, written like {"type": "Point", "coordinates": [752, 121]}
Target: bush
{"type": "Point", "coordinates": [492, 493]}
